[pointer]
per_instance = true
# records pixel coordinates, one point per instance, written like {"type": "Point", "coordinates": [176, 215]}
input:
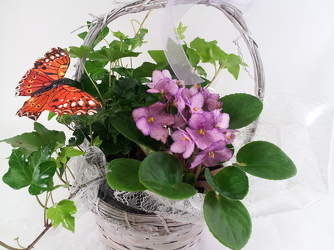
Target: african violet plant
{"type": "Point", "coordinates": [176, 141]}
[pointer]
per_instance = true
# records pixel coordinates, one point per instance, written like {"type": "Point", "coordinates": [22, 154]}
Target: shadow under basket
{"type": "Point", "coordinates": [138, 230]}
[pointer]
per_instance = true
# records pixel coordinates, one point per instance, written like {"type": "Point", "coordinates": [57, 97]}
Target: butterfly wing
{"type": "Point", "coordinates": [33, 107]}
{"type": "Point", "coordinates": [63, 99]}
{"type": "Point", "coordinates": [73, 101]}
{"type": "Point", "coordinates": [51, 67]}
{"type": "Point", "coordinates": [32, 81]}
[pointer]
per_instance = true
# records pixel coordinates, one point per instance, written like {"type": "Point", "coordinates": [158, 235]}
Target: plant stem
{"type": "Point", "coordinates": [9, 247]}
{"type": "Point", "coordinates": [31, 246]}
{"type": "Point", "coordinates": [39, 202]}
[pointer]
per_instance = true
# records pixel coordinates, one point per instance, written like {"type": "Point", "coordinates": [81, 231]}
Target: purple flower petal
{"type": "Point", "coordinates": [217, 152]}
{"type": "Point", "coordinates": [182, 143]}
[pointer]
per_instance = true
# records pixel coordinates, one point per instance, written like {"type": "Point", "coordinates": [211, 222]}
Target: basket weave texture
{"type": "Point", "coordinates": [124, 230]}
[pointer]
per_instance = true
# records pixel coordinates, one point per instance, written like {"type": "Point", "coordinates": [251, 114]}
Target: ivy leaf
{"type": "Point", "coordinates": [62, 213]}
{"type": "Point", "coordinates": [138, 40]}
{"type": "Point", "coordinates": [36, 171]}
{"type": "Point", "coordinates": [78, 52]}
{"type": "Point", "coordinates": [120, 35]}
{"type": "Point", "coordinates": [265, 160]}
{"type": "Point", "coordinates": [162, 174]}
{"type": "Point", "coordinates": [158, 56]}
{"type": "Point", "coordinates": [145, 70]}
{"type": "Point", "coordinates": [180, 30]}
{"type": "Point", "coordinates": [205, 50]}
{"type": "Point", "coordinates": [77, 138]}
{"type": "Point", "coordinates": [30, 142]}
{"type": "Point", "coordinates": [228, 221]}
{"type": "Point", "coordinates": [68, 152]}
{"type": "Point", "coordinates": [110, 54]}
{"type": "Point", "coordinates": [41, 179]}
{"type": "Point", "coordinates": [193, 56]}
{"type": "Point", "coordinates": [19, 172]}
{"type": "Point", "coordinates": [103, 33]}
{"type": "Point", "coordinates": [232, 64]}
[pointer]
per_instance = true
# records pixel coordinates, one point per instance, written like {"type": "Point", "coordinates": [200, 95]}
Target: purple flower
{"type": "Point", "coordinates": [180, 119]}
{"type": "Point", "coordinates": [157, 76]}
{"type": "Point", "coordinates": [163, 83]}
{"type": "Point", "coordinates": [202, 129]}
{"type": "Point", "coordinates": [212, 155]}
{"type": "Point", "coordinates": [179, 100]}
{"type": "Point", "coordinates": [153, 121]}
{"type": "Point", "coordinates": [229, 135]}
{"type": "Point", "coordinates": [222, 120]}
{"type": "Point", "coordinates": [183, 143]}
{"type": "Point", "coordinates": [196, 103]}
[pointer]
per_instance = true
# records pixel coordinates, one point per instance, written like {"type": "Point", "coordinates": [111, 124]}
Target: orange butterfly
{"type": "Point", "coordinates": [49, 90]}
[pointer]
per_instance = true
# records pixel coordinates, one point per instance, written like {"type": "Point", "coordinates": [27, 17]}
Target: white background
{"type": "Point", "coordinates": [296, 42]}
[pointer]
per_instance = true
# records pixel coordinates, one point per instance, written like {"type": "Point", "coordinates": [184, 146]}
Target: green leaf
{"type": "Point", "coordinates": [131, 132]}
{"type": "Point", "coordinates": [70, 152]}
{"type": "Point", "coordinates": [97, 141]}
{"type": "Point", "coordinates": [205, 50]}
{"type": "Point", "coordinates": [120, 35]}
{"type": "Point", "coordinates": [110, 54]}
{"type": "Point", "coordinates": [242, 108]}
{"type": "Point", "coordinates": [193, 56]}
{"type": "Point", "coordinates": [230, 182]}
{"type": "Point", "coordinates": [266, 160]}
{"type": "Point", "coordinates": [42, 177]}
{"type": "Point", "coordinates": [67, 152]}
{"type": "Point", "coordinates": [62, 213]}
{"type": "Point", "coordinates": [19, 172]}
{"type": "Point", "coordinates": [232, 64]}
{"type": "Point", "coordinates": [123, 175]}
{"type": "Point", "coordinates": [228, 221]}
{"type": "Point", "coordinates": [37, 170]}
{"type": "Point", "coordinates": [83, 35]}
{"type": "Point", "coordinates": [103, 33]}
{"type": "Point", "coordinates": [162, 174]}
{"type": "Point", "coordinates": [180, 30]}
{"type": "Point", "coordinates": [78, 52]}
{"type": "Point", "coordinates": [29, 142]}
{"type": "Point", "coordinates": [77, 139]}
{"type": "Point", "coordinates": [145, 70]}
{"type": "Point", "coordinates": [158, 55]}
{"type": "Point", "coordinates": [138, 40]}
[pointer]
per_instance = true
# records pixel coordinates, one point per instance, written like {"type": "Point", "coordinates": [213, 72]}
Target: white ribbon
{"type": "Point", "coordinates": [175, 54]}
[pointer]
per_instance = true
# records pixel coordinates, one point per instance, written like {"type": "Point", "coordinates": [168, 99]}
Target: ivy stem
{"type": "Point", "coordinates": [97, 89]}
{"type": "Point", "coordinates": [31, 246]}
{"type": "Point", "coordinates": [39, 202]}
{"type": "Point", "coordinates": [9, 247]}
{"type": "Point", "coordinates": [215, 76]}
{"type": "Point", "coordinates": [60, 178]}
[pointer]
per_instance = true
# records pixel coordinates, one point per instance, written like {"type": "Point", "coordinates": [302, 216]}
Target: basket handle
{"type": "Point", "coordinates": [231, 12]}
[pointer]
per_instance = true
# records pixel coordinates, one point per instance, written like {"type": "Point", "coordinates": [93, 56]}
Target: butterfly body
{"type": "Point", "coordinates": [49, 90]}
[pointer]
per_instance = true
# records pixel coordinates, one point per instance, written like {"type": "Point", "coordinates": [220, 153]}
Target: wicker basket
{"type": "Point", "coordinates": [126, 230]}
